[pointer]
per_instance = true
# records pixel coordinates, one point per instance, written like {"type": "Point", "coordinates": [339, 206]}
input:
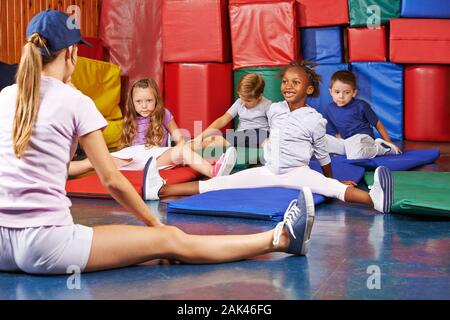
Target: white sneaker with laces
{"type": "Point", "coordinates": [381, 192]}
{"type": "Point", "coordinates": [152, 181]}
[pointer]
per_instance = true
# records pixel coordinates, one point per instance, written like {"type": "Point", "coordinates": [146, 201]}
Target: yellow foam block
{"type": "Point", "coordinates": [100, 81]}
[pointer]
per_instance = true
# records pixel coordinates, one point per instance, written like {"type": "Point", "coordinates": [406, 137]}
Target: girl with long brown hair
{"type": "Point", "coordinates": [41, 120]}
{"type": "Point", "coordinates": [147, 125]}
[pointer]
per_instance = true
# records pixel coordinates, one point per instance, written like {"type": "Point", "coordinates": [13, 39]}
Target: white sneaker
{"type": "Point", "coordinates": [152, 181]}
{"type": "Point", "coordinates": [226, 162]}
{"type": "Point", "coordinates": [388, 145]}
{"type": "Point", "coordinates": [381, 192]}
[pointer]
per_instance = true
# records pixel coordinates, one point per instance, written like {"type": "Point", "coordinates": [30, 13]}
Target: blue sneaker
{"type": "Point", "coordinates": [152, 181]}
{"type": "Point", "coordinates": [299, 220]}
{"type": "Point", "coordinates": [381, 192]}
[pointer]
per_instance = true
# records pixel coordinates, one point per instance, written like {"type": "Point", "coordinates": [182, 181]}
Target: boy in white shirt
{"type": "Point", "coordinates": [251, 107]}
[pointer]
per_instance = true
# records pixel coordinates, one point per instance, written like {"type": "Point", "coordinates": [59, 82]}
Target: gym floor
{"type": "Point", "coordinates": [412, 254]}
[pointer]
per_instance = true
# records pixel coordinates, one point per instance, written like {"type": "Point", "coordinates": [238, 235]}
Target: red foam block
{"type": "Point", "coordinates": [131, 30]}
{"type": "Point", "coordinates": [263, 33]}
{"type": "Point", "coordinates": [91, 187]}
{"type": "Point", "coordinates": [427, 102]}
{"type": "Point", "coordinates": [198, 92]}
{"type": "Point", "coordinates": [420, 40]}
{"type": "Point", "coordinates": [195, 31]}
{"type": "Point", "coordinates": [317, 13]}
{"type": "Point", "coordinates": [95, 52]}
{"type": "Point", "coordinates": [366, 44]}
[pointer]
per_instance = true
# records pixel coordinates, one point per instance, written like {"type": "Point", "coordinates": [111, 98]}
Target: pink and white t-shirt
{"type": "Point", "coordinates": [32, 189]}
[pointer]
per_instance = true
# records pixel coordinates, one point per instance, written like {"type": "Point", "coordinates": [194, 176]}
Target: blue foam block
{"type": "Point", "coordinates": [255, 203]}
{"type": "Point", "coordinates": [425, 9]}
{"type": "Point", "coordinates": [381, 85]}
{"type": "Point", "coordinates": [322, 45]}
{"type": "Point", "coordinates": [7, 74]}
{"type": "Point", "coordinates": [325, 71]}
{"type": "Point", "coordinates": [407, 160]}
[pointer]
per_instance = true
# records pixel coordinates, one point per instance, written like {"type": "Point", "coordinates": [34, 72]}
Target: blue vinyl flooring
{"type": "Point", "coordinates": [412, 254]}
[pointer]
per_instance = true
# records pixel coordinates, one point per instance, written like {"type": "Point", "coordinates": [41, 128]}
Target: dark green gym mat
{"type": "Point", "coordinates": [364, 12]}
{"type": "Point", "coordinates": [420, 193]}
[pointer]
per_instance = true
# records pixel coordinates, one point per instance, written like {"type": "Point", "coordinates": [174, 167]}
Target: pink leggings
{"type": "Point", "coordinates": [261, 177]}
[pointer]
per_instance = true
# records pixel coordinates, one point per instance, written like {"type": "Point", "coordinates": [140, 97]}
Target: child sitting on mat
{"type": "Point", "coordinates": [251, 107]}
{"type": "Point", "coordinates": [297, 132]}
{"type": "Point", "coordinates": [41, 118]}
{"type": "Point", "coordinates": [350, 122]}
{"type": "Point", "coordinates": [146, 128]}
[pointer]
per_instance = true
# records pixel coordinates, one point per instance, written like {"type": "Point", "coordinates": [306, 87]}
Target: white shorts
{"type": "Point", "coordinates": [140, 155]}
{"type": "Point", "coordinates": [45, 250]}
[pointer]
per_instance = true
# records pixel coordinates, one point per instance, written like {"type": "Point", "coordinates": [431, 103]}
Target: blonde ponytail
{"type": "Point", "coordinates": [28, 93]}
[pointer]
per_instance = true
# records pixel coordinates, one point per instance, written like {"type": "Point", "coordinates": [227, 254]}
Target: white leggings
{"type": "Point", "coordinates": [261, 177]}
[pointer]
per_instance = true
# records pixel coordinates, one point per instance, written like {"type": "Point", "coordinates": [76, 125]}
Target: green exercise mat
{"type": "Point", "coordinates": [370, 12]}
{"type": "Point", "coordinates": [245, 156]}
{"type": "Point", "coordinates": [421, 193]}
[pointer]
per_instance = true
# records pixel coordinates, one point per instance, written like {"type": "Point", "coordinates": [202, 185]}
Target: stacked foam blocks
{"type": "Point", "coordinates": [395, 47]}
{"type": "Point", "coordinates": [197, 61]}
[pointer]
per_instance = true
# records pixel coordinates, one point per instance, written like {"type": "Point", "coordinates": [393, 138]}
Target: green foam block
{"type": "Point", "coordinates": [272, 80]}
{"type": "Point", "coordinates": [421, 193]}
{"type": "Point", "coordinates": [364, 13]}
{"type": "Point", "coordinates": [245, 156]}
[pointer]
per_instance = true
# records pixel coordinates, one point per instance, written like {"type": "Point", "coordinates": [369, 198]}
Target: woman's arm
{"type": "Point", "coordinates": [118, 186]}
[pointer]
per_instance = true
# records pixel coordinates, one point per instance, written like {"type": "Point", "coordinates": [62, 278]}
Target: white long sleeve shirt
{"type": "Point", "coordinates": [294, 138]}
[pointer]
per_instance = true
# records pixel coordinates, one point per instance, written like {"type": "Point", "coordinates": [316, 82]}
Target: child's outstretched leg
{"type": "Point", "coordinates": [183, 154]}
{"type": "Point", "coordinates": [335, 145]}
{"type": "Point", "coordinates": [140, 244]}
{"type": "Point", "coordinates": [153, 184]}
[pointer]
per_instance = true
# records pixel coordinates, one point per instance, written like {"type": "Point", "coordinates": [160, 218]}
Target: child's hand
{"type": "Point", "coordinates": [349, 183]}
{"type": "Point", "coordinates": [399, 151]}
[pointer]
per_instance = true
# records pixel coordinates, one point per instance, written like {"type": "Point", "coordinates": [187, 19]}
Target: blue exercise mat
{"type": "Point", "coordinates": [256, 203]}
{"type": "Point", "coordinates": [407, 160]}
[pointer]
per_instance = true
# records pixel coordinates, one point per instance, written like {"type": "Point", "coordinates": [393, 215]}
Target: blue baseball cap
{"type": "Point", "coordinates": [57, 28]}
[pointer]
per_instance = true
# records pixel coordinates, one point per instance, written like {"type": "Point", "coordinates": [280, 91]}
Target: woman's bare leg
{"type": "Point", "coordinates": [140, 244]}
